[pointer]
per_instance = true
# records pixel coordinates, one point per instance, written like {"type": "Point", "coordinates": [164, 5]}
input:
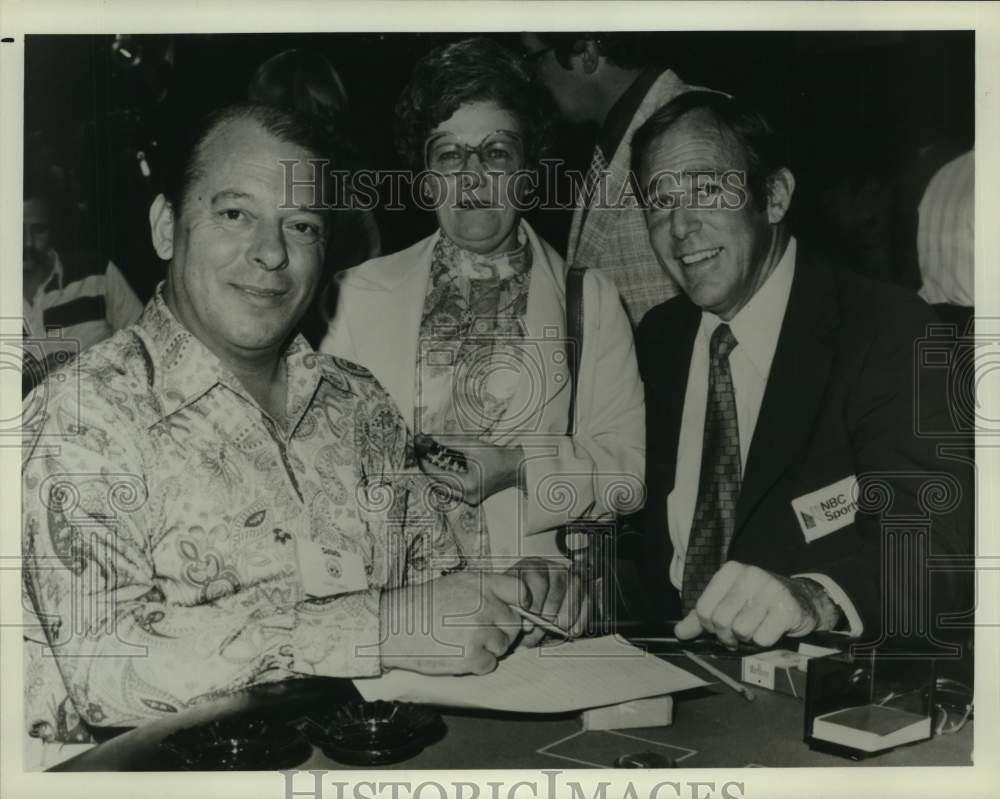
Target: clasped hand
{"type": "Point", "coordinates": [746, 604]}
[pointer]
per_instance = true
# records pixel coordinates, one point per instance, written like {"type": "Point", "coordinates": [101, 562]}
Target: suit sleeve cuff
{"type": "Point", "coordinates": [839, 597]}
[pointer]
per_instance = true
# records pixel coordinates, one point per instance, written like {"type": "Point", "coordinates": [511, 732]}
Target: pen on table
{"type": "Point", "coordinates": [720, 676]}
{"type": "Point", "coordinates": [538, 621]}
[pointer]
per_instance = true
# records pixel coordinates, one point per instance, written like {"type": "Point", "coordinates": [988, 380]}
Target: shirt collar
{"type": "Point", "coordinates": [57, 274]}
{"type": "Point", "coordinates": [464, 263]}
{"type": "Point", "coordinates": [758, 323]}
{"type": "Point", "coordinates": [619, 117]}
{"type": "Point", "coordinates": [57, 270]}
{"type": "Point", "coordinates": [184, 369]}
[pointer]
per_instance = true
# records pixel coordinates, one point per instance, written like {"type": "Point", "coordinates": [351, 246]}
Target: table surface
{"type": "Point", "coordinates": [712, 727]}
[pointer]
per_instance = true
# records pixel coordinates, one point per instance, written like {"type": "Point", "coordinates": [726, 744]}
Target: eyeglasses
{"type": "Point", "coordinates": [500, 151]}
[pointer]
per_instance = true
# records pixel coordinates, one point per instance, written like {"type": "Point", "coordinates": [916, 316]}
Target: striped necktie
{"type": "Point", "coordinates": [719, 478]}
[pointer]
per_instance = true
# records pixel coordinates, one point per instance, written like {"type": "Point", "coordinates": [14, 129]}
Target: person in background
{"type": "Point", "coordinates": [306, 82]}
{"type": "Point", "coordinates": [946, 235]}
{"type": "Point", "coordinates": [71, 299]}
{"type": "Point", "coordinates": [224, 507]}
{"type": "Point", "coordinates": [782, 404]}
{"type": "Point", "coordinates": [613, 80]}
{"type": "Point", "coordinates": [466, 328]}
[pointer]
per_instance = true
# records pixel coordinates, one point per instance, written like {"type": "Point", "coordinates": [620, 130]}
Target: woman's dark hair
{"type": "Point", "coordinates": [305, 83]}
{"type": "Point", "coordinates": [469, 71]}
{"type": "Point", "coordinates": [299, 80]}
{"type": "Point", "coordinates": [764, 148]}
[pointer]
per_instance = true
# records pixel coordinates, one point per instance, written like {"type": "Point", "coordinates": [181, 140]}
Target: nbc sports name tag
{"type": "Point", "coordinates": [827, 510]}
{"type": "Point", "coordinates": [329, 570]}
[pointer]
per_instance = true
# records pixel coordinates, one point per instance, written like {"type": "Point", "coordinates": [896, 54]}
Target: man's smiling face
{"type": "Point", "coordinates": [717, 254]}
{"type": "Point", "coordinates": [244, 263]}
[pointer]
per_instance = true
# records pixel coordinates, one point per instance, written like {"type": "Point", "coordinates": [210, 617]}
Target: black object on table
{"type": "Point", "coordinates": [713, 727]}
{"type": "Point", "coordinates": [251, 729]}
{"type": "Point", "coordinates": [363, 733]}
{"type": "Point", "coordinates": [272, 727]}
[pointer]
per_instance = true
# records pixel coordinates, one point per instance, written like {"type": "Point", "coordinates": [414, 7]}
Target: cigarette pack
{"type": "Point", "coordinates": [779, 670]}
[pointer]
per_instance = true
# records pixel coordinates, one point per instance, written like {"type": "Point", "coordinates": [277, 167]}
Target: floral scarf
{"type": "Point", "coordinates": [469, 351]}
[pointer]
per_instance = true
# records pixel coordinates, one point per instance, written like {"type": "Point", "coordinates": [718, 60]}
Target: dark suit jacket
{"type": "Point", "coordinates": [841, 400]}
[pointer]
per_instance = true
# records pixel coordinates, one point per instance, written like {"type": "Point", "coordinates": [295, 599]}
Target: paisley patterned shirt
{"type": "Point", "coordinates": [180, 545]}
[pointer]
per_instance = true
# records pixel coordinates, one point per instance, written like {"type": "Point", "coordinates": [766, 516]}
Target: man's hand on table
{"type": "Point", "coordinates": [554, 592]}
{"type": "Point", "coordinates": [747, 604]}
{"type": "Point", "coordinates": [468, 614]}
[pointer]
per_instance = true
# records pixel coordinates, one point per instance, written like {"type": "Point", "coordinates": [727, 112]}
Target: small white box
{"type": "Point", "coordinates": [656, 711]}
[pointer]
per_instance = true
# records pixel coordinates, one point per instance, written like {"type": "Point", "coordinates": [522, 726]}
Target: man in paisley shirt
{"type": "Point", "coordinates": [211, 504]}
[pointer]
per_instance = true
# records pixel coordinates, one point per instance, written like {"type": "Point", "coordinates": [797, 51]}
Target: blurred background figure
{"type": "Point", "coordinates": [946, 238]}
{"type": "Point", "coordinates": [300, 79]}
{"type": "Point", "coordinates": [305, 82]}
{"type": "Point", "coordinates": [614, 81]}
{"type": "Point", "coordinates": [72, 298]}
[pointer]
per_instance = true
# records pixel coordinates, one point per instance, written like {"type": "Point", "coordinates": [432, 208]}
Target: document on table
{"type": "Point", "coordinates": [574, 675]}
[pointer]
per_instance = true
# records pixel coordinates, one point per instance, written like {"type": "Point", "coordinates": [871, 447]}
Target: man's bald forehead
{"type": "Point", "coordinates": [229, 136]}
{"type": "Point", "coordinates": [701, 125]}
{"type": "Point", "coordinates": [245, 120]}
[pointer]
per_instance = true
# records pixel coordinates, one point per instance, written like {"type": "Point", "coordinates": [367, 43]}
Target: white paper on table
{"type": "Point", "coordinates": [590, 672]}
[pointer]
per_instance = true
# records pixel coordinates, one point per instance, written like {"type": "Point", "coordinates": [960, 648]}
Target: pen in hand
{"type": "Point", "coordinates": [538, 621]}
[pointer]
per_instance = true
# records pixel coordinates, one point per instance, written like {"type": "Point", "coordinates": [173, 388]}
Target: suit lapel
{"type": "Point", "coordinates": [666, 359]}
{"type": "Point", "coordinates": [667, 426]}
{"type": "Point", "coordinates": [796, 385]}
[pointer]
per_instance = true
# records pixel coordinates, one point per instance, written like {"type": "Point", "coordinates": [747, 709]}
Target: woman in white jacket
{"type": "Point", "coordinates": [467, 328]}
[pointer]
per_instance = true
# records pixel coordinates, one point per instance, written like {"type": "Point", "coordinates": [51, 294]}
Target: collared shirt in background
{"type": "Point", "coordinates": [608, 231]}
{"type": "Point", "coordinates": [69, 314]}
{"type": "Point", "coordinates": [619, 117]}
{"type": "Point", "coordinates": [88, 309]}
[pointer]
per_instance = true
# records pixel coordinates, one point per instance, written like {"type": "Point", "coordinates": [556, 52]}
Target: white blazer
{"type": "Point", "coordinates": [597, 472]}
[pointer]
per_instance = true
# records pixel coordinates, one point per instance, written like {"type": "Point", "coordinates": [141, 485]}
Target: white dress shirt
{"type": "Point", "coordinates": [756, 328]}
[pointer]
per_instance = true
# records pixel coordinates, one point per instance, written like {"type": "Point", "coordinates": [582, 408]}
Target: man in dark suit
{"type": "Point", "coordinates": [782, 435]}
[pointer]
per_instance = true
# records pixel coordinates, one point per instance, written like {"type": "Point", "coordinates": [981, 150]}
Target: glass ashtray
{"type": "Point", "coordinates": [374, 733]}
{"type": "Point", "coordinates": [235, 744]}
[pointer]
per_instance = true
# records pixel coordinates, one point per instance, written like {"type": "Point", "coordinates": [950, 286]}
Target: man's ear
{"type": "Point", "coordinates": [780, 188]}
{"type": "Point", "coordinates": [161, 224]}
